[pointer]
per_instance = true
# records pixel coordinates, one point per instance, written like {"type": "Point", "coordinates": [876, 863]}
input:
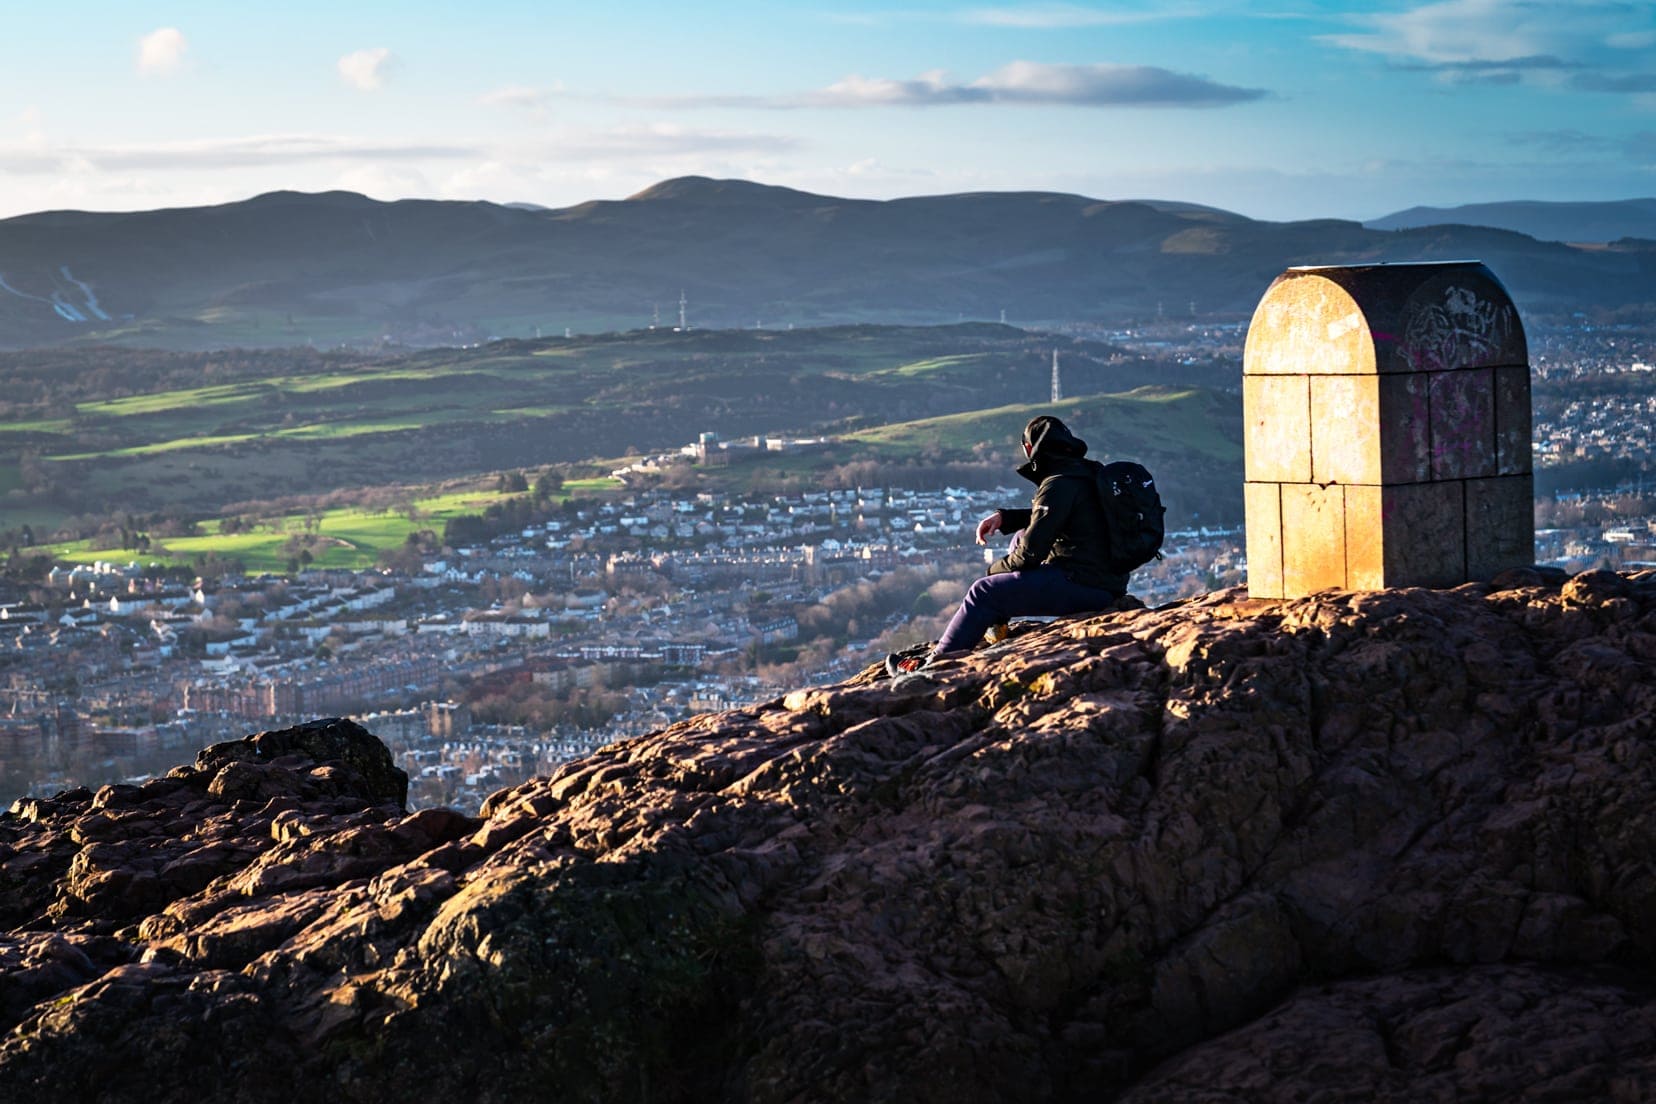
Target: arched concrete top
{"type": "Point", "coordinates": [1383, 318]}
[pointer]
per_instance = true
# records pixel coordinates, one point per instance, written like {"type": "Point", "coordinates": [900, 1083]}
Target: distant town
{"type": "Point", "coordinates": [496, 661]}
{"type": "Point", "coordinates": [117, 667]}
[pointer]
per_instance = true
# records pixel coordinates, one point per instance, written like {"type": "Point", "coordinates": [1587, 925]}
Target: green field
{"type": "Point", "coordinates": [344, 538]}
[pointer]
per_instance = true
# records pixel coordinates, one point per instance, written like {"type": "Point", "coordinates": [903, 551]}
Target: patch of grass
{"type": "Point", "coordinates": [195, 398]}
{"type": "Point", "coordinates": [161, 446]}
{"type": "Point", "coordinates": [47, 425]}
{"type": "Point", "coordinates": [347, 537]}
{"type": "Point", "coordinates": [326, 430]}
{"type": "Point", "coordinates": [939, 364]}
{"type": "Point", "coordinates": [1123, 423]}
{"type": "Point", "coordinates": [600, 484]}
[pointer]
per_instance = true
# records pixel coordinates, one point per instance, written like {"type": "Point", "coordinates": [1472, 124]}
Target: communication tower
{"type": "Point", "coordinates": [1057, 389]}
{"type": "Point", "coordinates": [683, 325]}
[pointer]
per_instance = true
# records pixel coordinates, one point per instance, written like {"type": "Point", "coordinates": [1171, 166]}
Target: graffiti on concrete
{"type": "Point", "coordinates": [1465, 329]}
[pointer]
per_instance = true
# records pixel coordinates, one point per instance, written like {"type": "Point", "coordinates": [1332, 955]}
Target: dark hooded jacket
{"type": "Point", "coordinates": [1065, 524]}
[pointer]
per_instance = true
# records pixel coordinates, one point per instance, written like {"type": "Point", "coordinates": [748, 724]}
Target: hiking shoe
{"type": "Point", "coordinates": [908, 661]}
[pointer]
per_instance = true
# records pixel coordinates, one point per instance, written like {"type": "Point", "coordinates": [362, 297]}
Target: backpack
{"type": "Point", "coordinates": [1133, 511]}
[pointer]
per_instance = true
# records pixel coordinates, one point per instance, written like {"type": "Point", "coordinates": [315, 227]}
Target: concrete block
{"type": "Point", "coordinates": [1346, 417]}
{"type": "Point", "coordinates": [1364, 537]}
{"type": "Point", "coordinates": [1262, 506]}
{"type": "Point", "coordinates": [1276, 416]}
{"type": "Point", "coordinates": [1514, 453]}
{"type": "Point", "coordinates": [1424, 534]}
{"type": "Point", "coordinates": [1307, 322]}
{"type": "Point", "coordinates": [1313, 538]}
{"type": "Point", "coordinates": [1386, 428]}
{"type": "Point", "coordinates": [1463, 424]}
{"type": "Point", "coordinates": [1405, 428]}
{"type": "Point", "coordinates": [1500, 524]}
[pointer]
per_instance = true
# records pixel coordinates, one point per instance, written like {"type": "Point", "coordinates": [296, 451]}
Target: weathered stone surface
{"type": "Point", "coordinates": [1432, 1036]}
{"type": "Point", "coordinates": [1513, 452]}
{"type": "Point", "coordinates": [1277, 429]}
{"type": "Point", "coordinates": [1500, 525]}
{"type": "Point", "coordinates": [1365, 539]}
{"type": "Point", "coordinates": [1406, 428]}
{"type": "Point", "coordinates": [91, 864]}
{"type": "Point", "coordinates": [1463, 423]}
{"type": "Point", "coordinates": [1345, 429]}
{"type": "Point", "coordinates": [1307, 322]}
{"type": "Point", "coordinates": [1423, 533]}
{"type": "Point", "coordinates": [1313, 537]}
{"type": "Point", "coordinates": [1263, 503]}
{"type": "Point", "coordinates": [1367, 319]}
{"type": "Point", "coordinates": [1389, 845]}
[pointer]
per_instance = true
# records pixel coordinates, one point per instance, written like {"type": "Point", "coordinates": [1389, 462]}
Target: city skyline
{"type": "Point", "coordinates": [1284, 111]}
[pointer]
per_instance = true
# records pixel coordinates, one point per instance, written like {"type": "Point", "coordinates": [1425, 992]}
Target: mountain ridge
{"type": "Point", "coordinates": [1545, 220]}
{"type": "Point", "coordinates": [338, 268]}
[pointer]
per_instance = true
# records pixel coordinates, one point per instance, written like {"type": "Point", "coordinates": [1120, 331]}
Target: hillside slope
{"type": "Point", "coordinates": [1386, 846]}
{"type": "Point", "coordinates": [153, 431]}
{"type": "Point", "coordinates": [289, 268]}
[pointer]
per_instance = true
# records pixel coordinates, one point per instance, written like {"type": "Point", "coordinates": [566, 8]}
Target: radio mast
{"type": "Point", "coordinates": [1057, 390]}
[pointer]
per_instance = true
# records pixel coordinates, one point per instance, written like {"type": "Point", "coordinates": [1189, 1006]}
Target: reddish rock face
{"type": "Point", "coordinates": [1385, 846]}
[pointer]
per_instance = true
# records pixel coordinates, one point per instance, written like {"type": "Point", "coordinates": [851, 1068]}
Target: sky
{"type": "Point", "coordinates": [1278, 110]}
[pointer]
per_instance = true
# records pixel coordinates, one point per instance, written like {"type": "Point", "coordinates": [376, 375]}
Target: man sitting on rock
{"type": "Point", "coordinates": [1058, 563]}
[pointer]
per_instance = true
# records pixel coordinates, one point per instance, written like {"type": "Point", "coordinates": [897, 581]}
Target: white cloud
{"type": "Point", "coordinates": [161, 52]}
{"type": "Point", "coordinates": [255, 151]}
{"type": "Point", "coordinates": [1513, 41]}
{"type": "Point", "coordinates": [1495, 30]}
{"type": "Point", "coordinates": [384, 181]}
{"type": "Point", "coordinates": [1059, 16]}
{"type": "Point", "coordinates": [1028, 82]}
{"type": "Point", "coordinates": [620, 160]}
{"type": "Point", "coordinates": [1020, 82]}
{"type": "Point", "coordinates": [1025, 81]}
{"type": "Point", "coordinates": [34, 131]}
{"type": "Point", "coordinates": [1452, 31]}
{"type": "Point", "coordinates": [520, 97]}
{"type": "Point", "coordinates": [663, 140]}
{"type": "Point", "coordinates": [365, 69]}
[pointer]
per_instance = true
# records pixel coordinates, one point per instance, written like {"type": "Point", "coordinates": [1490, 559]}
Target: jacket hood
{"type": "Point", "coordinates": [1051, 443]}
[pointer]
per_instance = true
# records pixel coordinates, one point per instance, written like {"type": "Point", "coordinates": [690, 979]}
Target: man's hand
{"type": "Point", "coordinates": [988, 527]}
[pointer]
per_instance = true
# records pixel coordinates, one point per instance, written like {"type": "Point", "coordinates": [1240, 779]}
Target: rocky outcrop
{"type": "Point", "coordinates": [1358, 846]}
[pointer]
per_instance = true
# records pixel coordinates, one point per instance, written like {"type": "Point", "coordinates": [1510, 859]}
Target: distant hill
{"type": "Point", "coordinates": [1556, 222]}
{"type": "Point", "coordinates": [337, 268]}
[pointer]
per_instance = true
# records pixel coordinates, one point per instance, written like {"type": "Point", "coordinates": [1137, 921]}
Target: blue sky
{"type": "Point", "coordinates": [1284, 110]}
